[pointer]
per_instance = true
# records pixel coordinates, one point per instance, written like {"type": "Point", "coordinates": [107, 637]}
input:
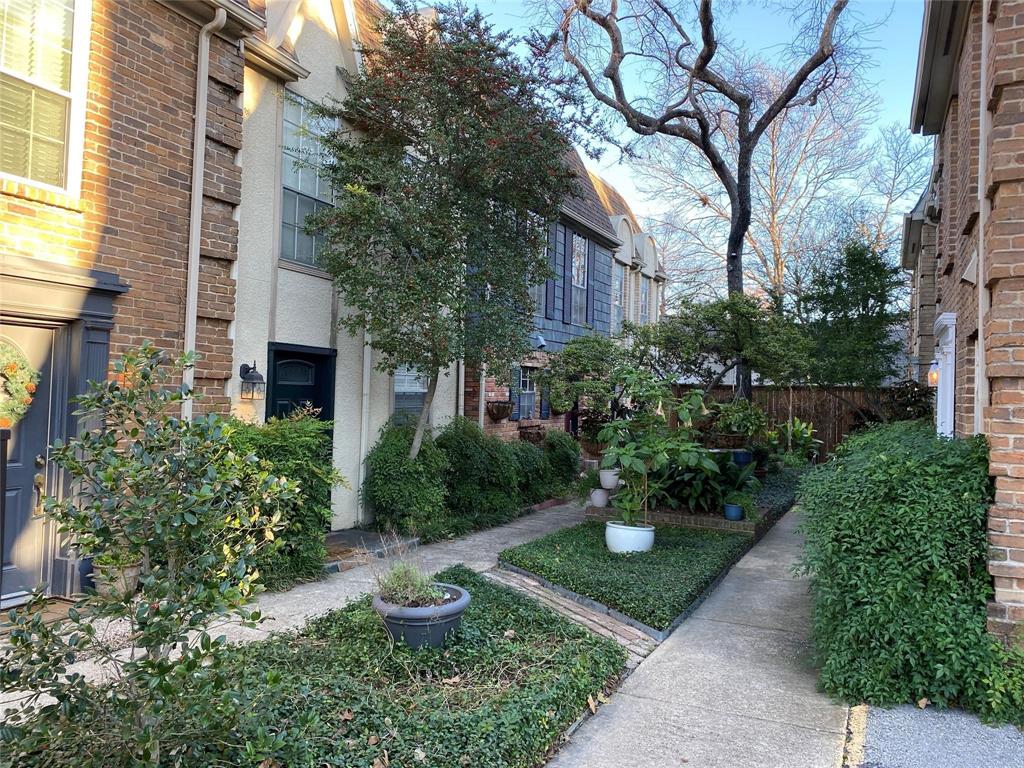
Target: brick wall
{"type": "Point", "coordinates": [131, 217]}
{"type": "Point", "coordinates": [507, 429]}
{"type": "Point", "coordinates": [1004, 324]}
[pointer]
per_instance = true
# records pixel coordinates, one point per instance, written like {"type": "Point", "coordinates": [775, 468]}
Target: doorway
{"type": "Point", "coordinates": [300, 376]}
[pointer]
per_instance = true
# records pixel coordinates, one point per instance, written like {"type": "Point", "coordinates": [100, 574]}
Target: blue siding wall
{"type": "Point", "coordinates": [554, 330]}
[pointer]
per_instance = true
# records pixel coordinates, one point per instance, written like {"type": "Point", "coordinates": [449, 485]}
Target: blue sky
{"type": "Point", "coordinates": [892, 50]}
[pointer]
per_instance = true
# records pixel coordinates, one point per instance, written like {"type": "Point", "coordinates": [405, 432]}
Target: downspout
{"type": "Point", "coordinates": [195, 214]}
{"type": "Point", "coordinates": [460, 393]}
{"type": "Point", "coordinates": [364, 423]}
{"type": "Point", "coordinates": [981, 384]}
{"type": "Point", "coordinates": [480, 399]}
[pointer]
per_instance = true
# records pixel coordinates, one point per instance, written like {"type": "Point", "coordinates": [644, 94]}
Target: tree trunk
{"type": "Point", "coordinates": [738, 226]}
{"type": "Point", "coordinates": [421, 424]}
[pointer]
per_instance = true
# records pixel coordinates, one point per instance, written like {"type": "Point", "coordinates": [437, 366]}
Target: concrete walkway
{"type": "Point", "coordinates": [479, 551]}
{"type": "Point", "coordinates": [733, 687]}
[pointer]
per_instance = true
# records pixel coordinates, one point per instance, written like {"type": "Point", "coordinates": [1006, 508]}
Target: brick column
{"type": "Point", "coordinates": [1004, 323]}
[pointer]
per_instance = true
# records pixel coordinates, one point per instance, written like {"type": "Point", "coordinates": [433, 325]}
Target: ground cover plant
{"type": "Point", "coordinates": [651, 587]}
{"type": "Point", "coordinates": [897, 552]}
{"type": "Point", "coordinates": [338, 693]}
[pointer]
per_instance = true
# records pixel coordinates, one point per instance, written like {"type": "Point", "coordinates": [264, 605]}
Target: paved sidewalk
{"type": "Point", "coordinates": [908, 737]}
{"type": "Point", "coordinates": [732, 687]}
{"type": "Point", "coordinates": [479, 551]}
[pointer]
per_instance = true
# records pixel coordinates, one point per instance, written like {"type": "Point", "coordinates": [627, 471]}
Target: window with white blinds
{"type": "Point", "coordinates": [305, 190]}
{"type": "Point", "coordinates": [645, 300]}
{"type": "Point", "coordinates": [410, 394]}
{"type": "Point", "coordinates": [36, 47]}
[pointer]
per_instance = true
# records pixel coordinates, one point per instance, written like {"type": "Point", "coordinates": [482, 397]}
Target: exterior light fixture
{"type": "Point", "coordinates": [539, 342]}
{"type": "Point", "coordinates": [933, 374]}
{"type": "Point", "coordinates": [253, 385]}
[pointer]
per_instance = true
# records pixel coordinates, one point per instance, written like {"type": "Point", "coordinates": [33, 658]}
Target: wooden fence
{"type": "Point", "coordinates": [829, 409]}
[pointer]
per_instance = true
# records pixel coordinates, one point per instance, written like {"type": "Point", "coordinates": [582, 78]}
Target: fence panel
{"type": "Point", "coordinates": [831, 410]}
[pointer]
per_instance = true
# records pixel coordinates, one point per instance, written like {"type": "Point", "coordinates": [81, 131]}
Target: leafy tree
{"type": "Point", "coordinates": [447, 176]}
{"type": "Point", "coordinates": [582, 373]}
{"type": "Point", "coordinates": [702, 341]}
{"type": "Point", "coordinates": [172, 495]}
{"type": "Point", "coordinates": [854, 318]}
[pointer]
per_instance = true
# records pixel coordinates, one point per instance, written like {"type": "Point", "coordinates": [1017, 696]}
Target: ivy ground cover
{"type": "Point", "coordinates": [651, 587]}
{"type": "Point", "coordinates": [338, 693]}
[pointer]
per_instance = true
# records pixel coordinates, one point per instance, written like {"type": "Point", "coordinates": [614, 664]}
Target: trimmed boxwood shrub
{"type": "Point", "coordinates": [482, 476]}
{"type": "Point", "coordinates": [536, 483]}
{"type": "Point", "coordinates": [897, 551]}
{"type": "Point", "coordinates": [297, 447]}
{"type": "Point", "coordinates": [652, 587]}
{"type": "Point", "coordinates": [407, 496]}
{"type": "Point", "coordinates": [563, 453]}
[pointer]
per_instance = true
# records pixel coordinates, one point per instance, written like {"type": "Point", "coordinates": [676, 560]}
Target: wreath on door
{"type": "Point", "coordinates": [18, 382]}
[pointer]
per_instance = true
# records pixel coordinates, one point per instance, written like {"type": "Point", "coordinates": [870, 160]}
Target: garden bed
{"type": "Point", "coordinates": [652, 591]}
{"type": "Point", "coordinates": [776, 497]}
{"type": "Point", "coordinates": [503, 694]}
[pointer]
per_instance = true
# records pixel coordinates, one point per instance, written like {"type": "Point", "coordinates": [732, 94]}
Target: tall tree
{"type": "Point", "coordinates": [854, 318]}
{"type": "Point", "coordinates": [683, 92]}
{"type": "Point", "coordinates": [806, 160]}
{"type": "Point", "coordinates": [449, 172]}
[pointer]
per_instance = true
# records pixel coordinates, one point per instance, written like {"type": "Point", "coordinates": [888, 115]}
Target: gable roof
{"type": "Point", "coordinates": [614, 203]}
{"type": "Point", "coordinates": [587, 208]}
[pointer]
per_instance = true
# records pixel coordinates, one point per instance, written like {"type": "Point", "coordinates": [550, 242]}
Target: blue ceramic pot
{"type": "Point", "coordinates": [733, 512]}
{"type": "Point", "coordinates": [742, 457]}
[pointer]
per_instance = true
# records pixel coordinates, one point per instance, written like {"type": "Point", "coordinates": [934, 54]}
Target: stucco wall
{"type": "Point", "coordinates": [293, 305]}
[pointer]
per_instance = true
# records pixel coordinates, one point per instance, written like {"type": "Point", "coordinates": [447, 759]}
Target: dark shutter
{"type": "Point", "coordinates": [567, 278]}
{"type": "Point", "coordinates": [549, 284]}
{"type": "Point", "coordinates": [591, 279]}
{"type": "Point", "coordinates": [513, 393]}
{"type": "Point", "coordinates": [545, 406]}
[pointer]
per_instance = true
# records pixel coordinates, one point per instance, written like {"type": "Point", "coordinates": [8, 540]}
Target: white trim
{"type": "Point", "coordinates": [945, 357]}
{"type": "Point", "coordinates": [78, 97]}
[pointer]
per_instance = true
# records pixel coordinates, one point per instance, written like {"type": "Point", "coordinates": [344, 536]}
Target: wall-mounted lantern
{"type": "Point", "coordinates": [933, 374]}
{"type": "Point", "coordinates": [253, 385]}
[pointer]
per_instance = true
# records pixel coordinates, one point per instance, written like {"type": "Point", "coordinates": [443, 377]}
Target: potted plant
{"type": "Point", "coordinates": [737, 505]}
{"type": "Point", "coordinates": [735, 425]}
{"type": "Point", "coordinates": [116, 574]}
{"type": "Point", "coordinates": [609, 477]}
{"type": "Point", "coordinates": [416, 610]}
{"type": "Point", "coordinates": [499, 409]}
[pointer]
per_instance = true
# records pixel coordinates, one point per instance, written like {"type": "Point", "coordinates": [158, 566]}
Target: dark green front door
{"type": "Point", "coordinates": [300, 377]}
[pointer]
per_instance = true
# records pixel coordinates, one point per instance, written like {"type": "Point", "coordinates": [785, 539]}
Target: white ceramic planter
{"type": "Point", "coordinates": [599, 497]}
{"type": "Point", "coordinates": [609, 479]}
{"type": "Point", "coordinates": [620, 537]}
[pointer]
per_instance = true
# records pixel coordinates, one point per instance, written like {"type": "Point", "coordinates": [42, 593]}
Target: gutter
{"type": "Point", "coordinates": [195, 217]}
{"type": "Point", "coordinates": [364, 423]}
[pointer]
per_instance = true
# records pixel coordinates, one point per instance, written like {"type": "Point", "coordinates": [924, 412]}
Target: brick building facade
{"type": "Point", "coordinates": [965, 249]}
{"type": "Point", "coordinates": [96, 195]}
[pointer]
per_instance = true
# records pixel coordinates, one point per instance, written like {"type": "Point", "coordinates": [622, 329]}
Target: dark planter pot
{"type": "Point", "coordinates": [733, 512]}
{"type": "Point", "coordinates": [419, 627]}
{"type": "Point", "coordinates": [85, 579]}
{"type": "Point", "coordinates": [498, 410]}
{"type": "Point", "coordinates": [742, 457]}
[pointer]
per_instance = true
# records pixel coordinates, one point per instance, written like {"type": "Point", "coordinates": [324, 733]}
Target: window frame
{"type": "Point", "coordinates": [527, 388]}
{"type": "Point", "coordinates": [618, 296]}
{"type": "Point", "coordinates": [645, 301]}
{"type": "Point", "coordinates": [578, 292]}
{"type": "Point", "coordinates": [77, 96]}
{"type": "Point", "coordinates": [406, 370]}
{"type": "Point", "coordinates": [294, 154]}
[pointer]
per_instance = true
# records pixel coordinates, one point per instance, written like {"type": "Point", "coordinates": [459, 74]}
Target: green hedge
{"type": "Point", "coordinates": [299, 448]}
{"type": "Point", "coordinates": [652, 587]}
{"type": "Point", "coordinates": [896, 548]}
{"type": "Point", "coordinates": [339, 693]}
{"type": "Point", "coordinates": [563, 454]}
{"type": "Point", "coordinates": [465, 480]}
{"type": "Point", "coordinates": [407, 496]}
{"type": "Point", "coordinates": [482, 477]}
